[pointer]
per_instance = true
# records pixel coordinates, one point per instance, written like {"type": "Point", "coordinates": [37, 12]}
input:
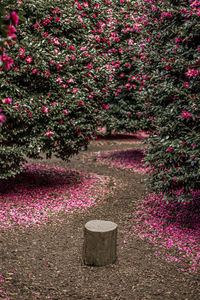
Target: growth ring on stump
{"type": "Point", "coordinates": [100, 243]}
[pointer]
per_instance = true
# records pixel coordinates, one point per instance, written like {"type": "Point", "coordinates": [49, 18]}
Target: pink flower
{"type": "Point", "coordinates": [11, 31]}
{"type": "Point", "coordinates": [85, 4]}
{"type": "Point", "coordinates": [49, 133]}
{"type": "Point", "coordinates": [45, 34]}
{"type": "Point", "coordinates": [170, 149]}
{"type": "Point", "coordinates": [2, 118]}
{"type": "Point", "coordinates": [7, 100]}
{"type": "Point", "coordinates": [15, 18]}
{"type": "Point", "coordinates": [75, 90]}
{"type": "Point", "coordinates": [45, 109]}
{"type": "Point", "coordinates": [59, 80]}
{"type": "Point", "coordinates": [57, 19]}
{"type": "Point", "coordinates": [29, 59]}
{"type": "Point", "coordinates": [192, 72]}
{"type": "Point", "coordinates": [185, 114]}
{"type": "Point", "coordinates": [81, 103]}
{"type": "Point", "coordinates": [65, 112]}
{"type": "Point", "coordinates": [167, 68]}
{"type": "Point", "coordinates": [21, 52]}
{"type": "Point", "coordinates": [45, 21]}
{"type": "Point", "coordinates": [89, 66]}
{"type": "Point", "coordinates": [70, 80]}
{"type": "Point", "coordinates": [37, 26]}
{"type": "Point", "coordinates": [56, 142]}
{"type": "Point", "coordinates": [193, 146]}
{"type": "Point", "coordinates": [56, 10]}
{"type": "Point", "coordinates": [106, 107]}
{"type": "Point", "coordinates": [186, 84]}
{"type": "Point", "coordinates": [72, 48]}
{"type": "Point", "coordinates": [83, 48]}
{"type": "Point", "coordinates": [35, 70]}
{"type": "Point", "coordinates": [56, 41]}
{"type": "Point", "coordinates": [130, 42]}
{"type": "Point", "coordinates": [56, 51]}
{"type": "Point", "coordinates": [80, 19]}
{"type": "Point", "coordinates": [7, 61]}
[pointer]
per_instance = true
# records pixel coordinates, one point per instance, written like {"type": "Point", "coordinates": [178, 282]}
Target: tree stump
{"type": "Point", "coordinates": [100, 243]}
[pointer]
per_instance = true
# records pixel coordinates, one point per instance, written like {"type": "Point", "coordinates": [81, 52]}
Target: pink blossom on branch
{"type": "Point", "coordinates": [15, 18]}
{"type": "Point", "coordinates": [185, 114]}
{"type": "Point", "coordinates": [7, 100]}
{"type": "Point", "coordinates": [192, 72]}
{"type": "Point", "coordinates": [45, 109]}
{"type": "Point", "coordinates": [106, 107]}
{"type": "Point", "coordinates": [170, 149]}
{"type": "Point", "coordinates": [186, 84]}
{"type": "Point", "coordinates": [49, 133]}
{"type": "Point", "coordinates": [7, 61]}
{"type": "Point", "coordinates": [37, 26]}
{"type": "Point", "coordinates": [75, 90]}
{"type": "Point", "coordinates": [2, 118]}
{"type": "Point", "coordinates": [29, 59]}
{"type": "Point", "coordinates": [11, 31]}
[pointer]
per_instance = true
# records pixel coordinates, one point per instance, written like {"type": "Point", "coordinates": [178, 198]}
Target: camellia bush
{"type": "Point", "coordinates": [172, 96]}
{"type": "Point", "coordinates": [52, 95]}
{"type": "Point", "coordinates": [124, 59]}
{"type": "Point", "coordinates": [155, 60]}
{"type": "Point", "coordinates": [8, 21]}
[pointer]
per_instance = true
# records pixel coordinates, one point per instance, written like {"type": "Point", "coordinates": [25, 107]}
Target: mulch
{"type": "Point", "coordinates": [46, 262]}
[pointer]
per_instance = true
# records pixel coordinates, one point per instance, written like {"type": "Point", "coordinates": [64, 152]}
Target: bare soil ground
{"type": "Point", "coordinates": [46, 263]}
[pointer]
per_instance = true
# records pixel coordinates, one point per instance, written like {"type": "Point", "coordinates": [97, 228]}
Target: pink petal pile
{"type": "Point", "coordinates": [172, 227]}
{"type": "Point", "coordinates": [42, 191]}
{"type": "Point", "coordinates": [128, 159]}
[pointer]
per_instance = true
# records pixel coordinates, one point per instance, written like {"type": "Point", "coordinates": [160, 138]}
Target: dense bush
{"type": "Point", "coordinates": [172, 96]}
{"type": "Point", "coordinates": [125, 112]}
{"type": "Point", "coordinates": [8, 21]}
{"type": "Point", "coordinates": [155, 60]}
{"type": "Point", "coordinates": [52, 94]}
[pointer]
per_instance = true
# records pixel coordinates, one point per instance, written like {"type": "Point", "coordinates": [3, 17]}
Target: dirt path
{"type": "Point", "coordinates": [46, 263]}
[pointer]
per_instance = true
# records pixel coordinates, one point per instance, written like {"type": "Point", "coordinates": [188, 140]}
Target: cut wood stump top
{"type": "Point", "coordinates": [100, 226]}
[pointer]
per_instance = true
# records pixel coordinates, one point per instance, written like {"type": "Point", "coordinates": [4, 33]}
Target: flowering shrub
{"type": "Point", "coordinates": [173, 96]}
{"type": "Point", "coordinates": [125, 76]}
{"type": "Point", "coordinates": [52, 94]}
{"type": "Point", "coordinates": [7, 32]}
{"type": "Point", "coordinates": [156, 75]}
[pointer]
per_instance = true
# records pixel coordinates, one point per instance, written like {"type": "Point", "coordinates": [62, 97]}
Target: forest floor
{"type": "Point", "coordinates": [45, 262]}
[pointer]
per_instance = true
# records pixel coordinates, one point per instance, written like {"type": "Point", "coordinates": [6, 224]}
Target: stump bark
{"type": "Point", "coordinates": [100, 243]}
